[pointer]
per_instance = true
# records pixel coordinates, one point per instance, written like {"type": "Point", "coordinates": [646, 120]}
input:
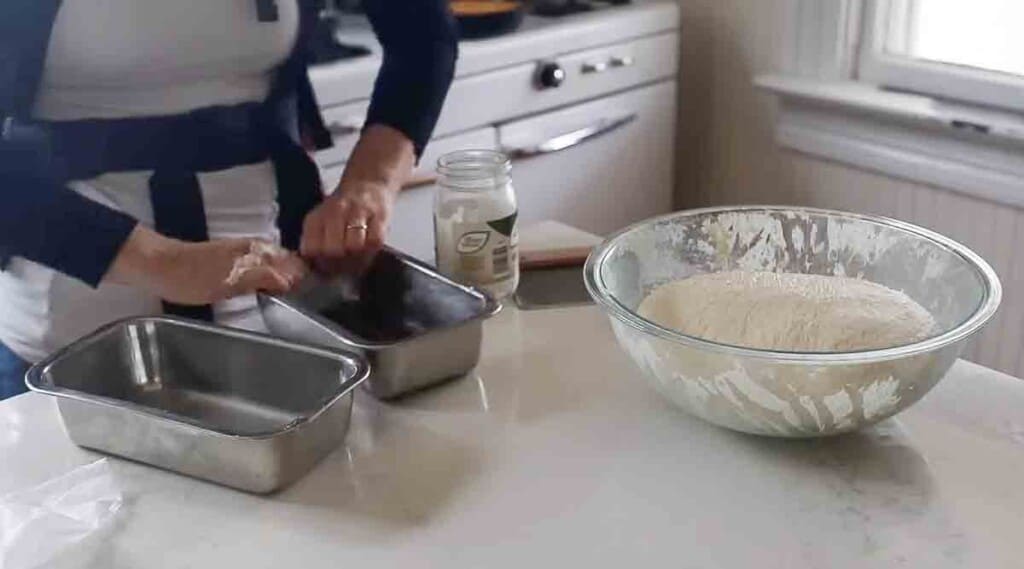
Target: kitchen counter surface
{"type": "Point", "coordinates": [553, 453]}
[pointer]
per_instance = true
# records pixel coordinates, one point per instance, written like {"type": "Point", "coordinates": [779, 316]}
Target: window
{"type": "Point", "coordinates": [970, 51]}
{"type": "Point", "coordinates": [925, 90]}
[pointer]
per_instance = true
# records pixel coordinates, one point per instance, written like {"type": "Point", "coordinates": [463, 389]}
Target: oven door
{"type": "Point", "coordinates": [599, 165]}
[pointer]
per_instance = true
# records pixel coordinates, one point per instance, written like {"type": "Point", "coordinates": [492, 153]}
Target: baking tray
{"type": "Point", "coordinates": [245, 410]}
{"type": "Point", "coordinates": [416, 327]}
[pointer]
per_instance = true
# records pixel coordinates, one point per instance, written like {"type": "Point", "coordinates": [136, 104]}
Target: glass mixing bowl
{"type": "Point", "coordinates": [791, 394]}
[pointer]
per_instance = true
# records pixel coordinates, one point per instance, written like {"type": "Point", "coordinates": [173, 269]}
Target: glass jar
{"type": "Point", "coordinates": [475, 235]}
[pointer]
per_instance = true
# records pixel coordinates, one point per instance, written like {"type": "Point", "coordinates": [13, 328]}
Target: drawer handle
{"type": "Point", "coordinates": [594, 67]}
{"type": "Point", "coordinates": [345, 127]}
{"type": "Point", "coordinates": [621, 61]}
{"type": "Point", "coordinates": [570, 139]}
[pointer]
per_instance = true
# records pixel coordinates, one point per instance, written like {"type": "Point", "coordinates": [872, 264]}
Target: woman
{"type": "Point", "coordinates": [147, 145]}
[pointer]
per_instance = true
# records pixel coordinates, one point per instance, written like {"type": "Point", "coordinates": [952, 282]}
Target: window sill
{"type": "Point", "coordinates": [974, 151]}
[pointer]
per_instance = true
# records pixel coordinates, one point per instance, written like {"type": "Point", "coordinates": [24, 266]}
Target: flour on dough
{"type": "Point", "coordinates": [788, 312]}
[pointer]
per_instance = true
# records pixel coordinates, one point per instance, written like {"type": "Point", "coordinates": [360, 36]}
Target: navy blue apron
{"type": "Point", "coordinates": [176, 148]}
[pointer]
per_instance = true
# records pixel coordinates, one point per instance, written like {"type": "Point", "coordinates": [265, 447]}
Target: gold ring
{"type": "Point", "coordinates": [359, 226]}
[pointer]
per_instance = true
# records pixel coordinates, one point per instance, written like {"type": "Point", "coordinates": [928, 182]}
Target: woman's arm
{"type": "Point", "coordinates": [420, 49]}
{"type": "Point", "coordinates": [83, 239]}
{"type": "Point", "coordinates": [353, 222]}
{"type": "Point", "coordinates": [54, 226]}
{"type": "Point", "coordinates": [197, 273]}
{"type": "Point", "coordinates": [420, 42]}
{"type": "Point", "coordinates": [43, 221]}
{"type": "Point", "coordinates": [48, 223]}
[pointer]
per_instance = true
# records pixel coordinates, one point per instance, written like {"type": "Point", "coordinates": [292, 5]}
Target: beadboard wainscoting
{"type": "Point", "coordinates": [994, 231]}
{"type": "Point", "coordinates": [729, 154]}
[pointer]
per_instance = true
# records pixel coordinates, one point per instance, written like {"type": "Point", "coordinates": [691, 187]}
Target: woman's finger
{"type": "Point", "coordinates": [356, 228]}
{"type": "Point", "coordinates": [336, 211]}
{"type": "Point", "coordinates": [292, 267]}
{"type": "Point", "coordinates": [235, 247]}
{"type": "Point", "coordinates": [362, 259]}
{"type": "Point", "coordinates": [313, 230]}
{"type": "Point", "coordinates": [334, 240]}
{"type": "Point", "coordinates": [376, 233]}
{"type": "Point", "coordinates": [263, 278]}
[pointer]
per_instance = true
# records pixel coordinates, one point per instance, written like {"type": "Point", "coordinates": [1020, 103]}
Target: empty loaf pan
{"type": "Point", "coordinates": [415, 326]}
{"type": "Point", "coordinates": [244, 410]}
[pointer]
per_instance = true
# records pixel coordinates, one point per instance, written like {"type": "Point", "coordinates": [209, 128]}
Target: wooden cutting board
{"type": "Point", "coordinates": [553, 258]}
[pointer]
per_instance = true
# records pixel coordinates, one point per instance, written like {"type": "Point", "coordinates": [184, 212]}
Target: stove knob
{"type": "Point", "coordinates": [550, 75]}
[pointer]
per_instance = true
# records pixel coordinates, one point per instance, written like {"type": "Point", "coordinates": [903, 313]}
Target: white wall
{"type": "Point", "coordinates": [727, 155]}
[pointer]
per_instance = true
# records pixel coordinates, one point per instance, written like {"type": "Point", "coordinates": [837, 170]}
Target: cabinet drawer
{"type": "Point", "coordinates": [598, 166]}
{"type": "Point", "coordinates": [344, 122]}
{"type": "Point", "coordinates": [498, 96]}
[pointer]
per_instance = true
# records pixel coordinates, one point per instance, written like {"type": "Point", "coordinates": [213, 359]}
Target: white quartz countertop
{"type": "Point", "coordinates": [555, 454]}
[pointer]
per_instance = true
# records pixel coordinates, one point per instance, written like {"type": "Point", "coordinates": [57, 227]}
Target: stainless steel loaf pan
{"type": "Point", "coordinates": [416, 327]}
{"type": "Point", "coordinates": [244, 410]}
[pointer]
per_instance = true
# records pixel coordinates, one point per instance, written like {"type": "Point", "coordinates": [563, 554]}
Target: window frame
{"type": "Point", "coordinates": [935, 79]}
{"type": "Point", "coordinates": [828, 110]}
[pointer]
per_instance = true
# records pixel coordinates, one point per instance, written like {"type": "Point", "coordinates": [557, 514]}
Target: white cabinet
{"type": "Point", "coordinates": [498, 95]}
{"type": "Point", "coordinates": [600, 165]}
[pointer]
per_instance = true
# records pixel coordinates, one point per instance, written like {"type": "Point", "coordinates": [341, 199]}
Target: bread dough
{"type": "Point", "coordinates": [789, 312]}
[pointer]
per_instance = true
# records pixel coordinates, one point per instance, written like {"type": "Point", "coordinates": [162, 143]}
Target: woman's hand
{"type": "Point", "coordinates": [350, 226]}
{"type": "Point", "coordinates": [198, 273]}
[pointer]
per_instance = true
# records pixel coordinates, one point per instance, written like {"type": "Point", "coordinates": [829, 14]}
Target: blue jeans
{"type": "Point", "coordinates": [12, 373]}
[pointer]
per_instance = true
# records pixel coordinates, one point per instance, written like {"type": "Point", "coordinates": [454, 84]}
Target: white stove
{"type": "Point", "coordinates": [585, 103]}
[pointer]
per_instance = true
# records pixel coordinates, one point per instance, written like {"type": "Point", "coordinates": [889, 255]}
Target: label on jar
{"type": "Point", "coordinates": [486, 252]}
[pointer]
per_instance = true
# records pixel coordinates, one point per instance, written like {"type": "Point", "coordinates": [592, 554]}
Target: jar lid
{"type": "Point", "coordinates": [468, 165]}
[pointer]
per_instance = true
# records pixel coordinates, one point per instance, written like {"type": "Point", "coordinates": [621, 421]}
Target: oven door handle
{"type": "Point", "coordinates": [570, 139]}
{"type": "Point", "coordinates": [345, 127]}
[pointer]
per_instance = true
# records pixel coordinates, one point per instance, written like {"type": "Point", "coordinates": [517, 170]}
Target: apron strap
{"type": "Point", "coordinates": [178, 212]}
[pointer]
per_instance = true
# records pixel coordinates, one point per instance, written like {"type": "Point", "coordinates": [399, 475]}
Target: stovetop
{"type": "Point", "coordinates": [561, 8]}
{"type": "Point", "coordinates": [328, 48]}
